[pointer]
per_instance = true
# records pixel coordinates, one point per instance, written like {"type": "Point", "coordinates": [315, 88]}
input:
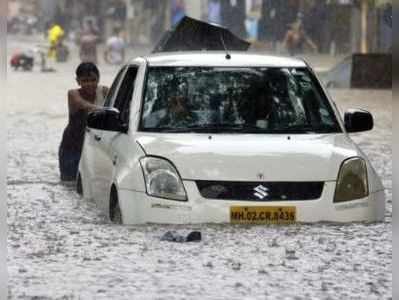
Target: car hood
{"type": "Point", "coordinates": [252, 157]}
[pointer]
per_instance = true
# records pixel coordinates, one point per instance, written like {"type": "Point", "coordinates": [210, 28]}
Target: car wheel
{"type": "Point", "coordinates": [115, 213]}
{"type": "Point", "coordinates": [79, 185]}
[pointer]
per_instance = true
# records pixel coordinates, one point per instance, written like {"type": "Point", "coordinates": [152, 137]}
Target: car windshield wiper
{"type": "Point", "coordinates": [323, 128]}
{"type": "Point", "coordinates": [168, 129]}
{"type": "Point", "coordinates": [225, 127]}
{"type": "Point", "coordinates": [301, 128]}
{"type": "Point", "coordinates": [211, 128]}
{"type": "Point", "coordinates": [245, 128]}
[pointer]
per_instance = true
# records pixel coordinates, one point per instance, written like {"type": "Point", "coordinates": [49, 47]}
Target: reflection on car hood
{"type": "Point", "coordinates": [245, 157]}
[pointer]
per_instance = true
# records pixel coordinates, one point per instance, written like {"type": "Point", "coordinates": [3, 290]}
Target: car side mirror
{"type": "Point", "coordinates": [107, 119]}
{"type": "Point", "coordinates": [357, 120]}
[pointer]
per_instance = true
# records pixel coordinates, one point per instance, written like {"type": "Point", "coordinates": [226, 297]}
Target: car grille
{"type": "Point", "coordinates": [260, 191]}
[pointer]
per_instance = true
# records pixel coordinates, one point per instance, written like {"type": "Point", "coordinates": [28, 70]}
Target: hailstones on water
{"type": "Point", "coordinates": [290, 253]}
{"type": "Point", "coordinates": [273, 242]}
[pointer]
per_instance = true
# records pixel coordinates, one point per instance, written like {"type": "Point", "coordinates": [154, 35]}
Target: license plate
{"type": "Point", "coordinates": [262, 214]}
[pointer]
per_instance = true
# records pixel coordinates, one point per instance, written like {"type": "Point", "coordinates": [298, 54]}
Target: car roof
{"type": "Point", "coordinates": [218, 58]}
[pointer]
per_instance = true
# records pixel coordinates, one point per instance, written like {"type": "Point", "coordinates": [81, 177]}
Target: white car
{"type": "Point", "coordinates": [251, 139]}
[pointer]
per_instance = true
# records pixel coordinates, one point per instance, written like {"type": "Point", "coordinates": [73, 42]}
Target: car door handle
{"type": "Point", "coordinates": [97, 137]}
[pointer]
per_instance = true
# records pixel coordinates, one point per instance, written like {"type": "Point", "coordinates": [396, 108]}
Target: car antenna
{"type": "Point", "coordinates": [228, 56]}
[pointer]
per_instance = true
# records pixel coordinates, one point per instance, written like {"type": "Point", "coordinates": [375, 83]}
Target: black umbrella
{"type": "Point", "coordinates": [190, 34]}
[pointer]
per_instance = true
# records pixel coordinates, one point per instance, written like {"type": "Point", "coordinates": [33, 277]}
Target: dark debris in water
{"type": "Point", "coordinates": [173, 236]}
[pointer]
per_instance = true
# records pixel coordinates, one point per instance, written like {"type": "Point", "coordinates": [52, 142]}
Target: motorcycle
{"type": "Point", "coordinates": [23, 60]}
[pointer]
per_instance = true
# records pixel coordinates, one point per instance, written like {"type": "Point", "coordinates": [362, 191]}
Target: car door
{"type": "Point", "coordinates": [93, 162]}
{"type": "Point", "coordinates": [106, 154]}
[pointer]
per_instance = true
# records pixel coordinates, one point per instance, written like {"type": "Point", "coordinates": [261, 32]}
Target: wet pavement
{"type": "Point", "coordinates": [59, 247]}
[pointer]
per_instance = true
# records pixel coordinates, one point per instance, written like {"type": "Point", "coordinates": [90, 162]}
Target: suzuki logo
{"type": "Point", "coordinates": [261, 192]}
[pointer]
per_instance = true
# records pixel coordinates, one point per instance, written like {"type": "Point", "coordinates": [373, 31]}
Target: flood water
{"type": "Point", "coordinates": [59, 247]}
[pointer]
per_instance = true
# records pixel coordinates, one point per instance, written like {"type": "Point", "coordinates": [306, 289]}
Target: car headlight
{"type": "Point", "coordinates": [162, 179]}
{"type": "Point", "coordinates": [352, 180]}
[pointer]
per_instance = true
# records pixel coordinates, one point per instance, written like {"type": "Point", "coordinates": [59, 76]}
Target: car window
{"type": "Point", "coordinates": [113, 88]}
{"type": "Point", "coordinates": [250, 99]}
{"type": "Point", "coordinates": [125, 93]}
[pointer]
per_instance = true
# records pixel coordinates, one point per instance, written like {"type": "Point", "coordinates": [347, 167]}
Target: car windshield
{"type": "Point", "coordinates": [235, 100]}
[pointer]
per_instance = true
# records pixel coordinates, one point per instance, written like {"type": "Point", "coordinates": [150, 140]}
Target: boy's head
{"type": "Point", "coordinates": [88, 76]}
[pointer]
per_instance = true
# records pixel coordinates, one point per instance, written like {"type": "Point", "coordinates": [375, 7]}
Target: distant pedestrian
{"type": "Point", "coordinates": [296, 39]}
{"type": "Point", "coordinates": [117, 11]}
{"type": "Point", "coordinates": [88, 42]}
{"type": "Point", "coordinates": [178, 11]}
{"type": "Point", "coordinates": [88, 97]}
{"type": "Point", "coordinates": [315, 20]}
{"type": "Point", "coordinates": [54, 35]}
{"type": "Point", "coordinates": [114, 53]}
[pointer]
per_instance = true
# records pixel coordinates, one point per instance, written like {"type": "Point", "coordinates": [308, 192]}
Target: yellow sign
{"type": "Point", "coordinates": [262, 214]}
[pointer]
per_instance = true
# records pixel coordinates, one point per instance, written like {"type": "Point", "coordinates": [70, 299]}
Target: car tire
{"type": "Point", "coordinates": [115, 213]}
{"type": "Point", "coordinates": [79, 185]}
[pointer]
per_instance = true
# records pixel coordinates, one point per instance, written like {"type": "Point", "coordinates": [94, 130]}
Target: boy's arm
{"type": "Point", "coordinates": [76, 102]}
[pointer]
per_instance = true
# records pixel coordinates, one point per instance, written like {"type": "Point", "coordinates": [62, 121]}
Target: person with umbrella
{"type": "Point", "coordinates": [191, 34]}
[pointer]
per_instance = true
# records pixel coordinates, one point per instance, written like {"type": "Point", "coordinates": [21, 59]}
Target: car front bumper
{"type": "Point", "coordinates": [139, 208]}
